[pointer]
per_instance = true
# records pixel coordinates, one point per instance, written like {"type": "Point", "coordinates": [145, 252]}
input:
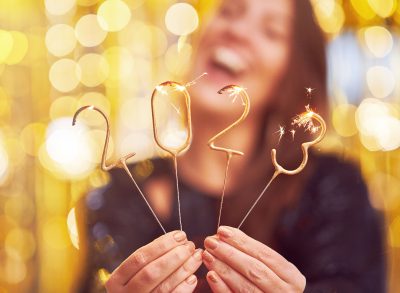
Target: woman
{"type": "Point", "coordinates": [315, 231]}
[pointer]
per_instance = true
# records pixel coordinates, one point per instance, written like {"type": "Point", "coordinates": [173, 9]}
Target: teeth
{"type": "Point", "coordinates": [229, 59]}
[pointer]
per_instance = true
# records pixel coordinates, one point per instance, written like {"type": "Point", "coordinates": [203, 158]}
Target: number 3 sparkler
{"type": "Point", "coordinates": [305, 120]}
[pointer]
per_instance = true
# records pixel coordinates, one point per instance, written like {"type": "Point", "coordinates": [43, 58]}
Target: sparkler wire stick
{"type": "Point", "coordinates": [304, 119]}
{"type": "Point", "coordinates": [174, 152]}
{"type": "Point", "coordinates": [233, 90]}
{"type": "Point", "coordinates": [121, 163]}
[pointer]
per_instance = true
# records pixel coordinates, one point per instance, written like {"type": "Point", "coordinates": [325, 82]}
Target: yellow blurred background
{"type": "Point", "coordinates": [58, 55]}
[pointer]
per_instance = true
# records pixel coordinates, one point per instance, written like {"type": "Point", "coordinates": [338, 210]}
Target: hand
{"type": "Point", "coordinates": [165, 265]}
{"type": "Point", "coordinates": [238, 263]}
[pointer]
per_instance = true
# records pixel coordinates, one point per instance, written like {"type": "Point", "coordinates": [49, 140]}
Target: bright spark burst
{"type": "Point", "coordinates": [194, 81]}
{"type": "Point", "coordinates": [293, 132]}
{"type": "Point", "coordinates": [305, 120]}
{"type": "Point", "coordinates": [281, 132]}
{"type": "Point", "coordinates": [309, 91]}
{"type": "Point", "coordinates": [160, 89]}
{"type": "Point", "coordinates": [234, 93]}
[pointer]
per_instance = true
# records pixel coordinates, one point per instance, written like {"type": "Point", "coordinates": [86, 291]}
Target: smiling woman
{"type": "Point", "coordinates": [314, 232]}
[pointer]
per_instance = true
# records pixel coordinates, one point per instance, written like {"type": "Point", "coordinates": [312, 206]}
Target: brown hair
{"type": "Point", "coordinates": [307, 68]}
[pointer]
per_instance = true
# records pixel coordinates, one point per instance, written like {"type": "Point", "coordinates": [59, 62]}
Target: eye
{"type": "Point", "coordinates": [230, 9]}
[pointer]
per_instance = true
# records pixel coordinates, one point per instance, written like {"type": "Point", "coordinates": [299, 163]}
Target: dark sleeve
{"type": "Point", "coordinates": [334, 236]}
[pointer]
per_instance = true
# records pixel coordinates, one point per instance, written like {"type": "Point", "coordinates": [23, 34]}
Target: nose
{"type": "Point", "coordinates": [239, 29]}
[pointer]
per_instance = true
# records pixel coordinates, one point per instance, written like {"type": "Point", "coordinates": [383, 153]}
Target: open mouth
{"type": "Point", "coordinates": [227, 64]}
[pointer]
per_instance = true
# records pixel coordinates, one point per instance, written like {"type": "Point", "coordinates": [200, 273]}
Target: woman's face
{"type": "Point", "coordinates": [247, 43]}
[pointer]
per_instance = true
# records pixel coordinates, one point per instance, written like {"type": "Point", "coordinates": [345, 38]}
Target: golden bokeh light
{"type": "Point", "coordinates": [32, 137]}
{"type": "Point", "coordinates": [381, 81]}
{"type": "Point", "coordinates": [88, 31]}
{"type": "Point", "coordinates": [64, 106]}
{"type": "Point", "coordinates": [343, 120]}
{"type": "Point", "coordinates": [87, 2]}
{"type": "Point", "coordinates": [73, 228]}
{"type": "Point", "coordinates": [113, 15]}
{"type": "Point", "coordinates": [4, 161]}
{"type": "Point", "coordinates": [94, 69]}
{"type": "Point", "coordinates": [363, 9]}
{"type": "Point", "coordinates": [135, 114]}
{"type": "Point", "coordinates": [19, 48]}
{"type": "Point", "coordinates": [378, 40]}
{"type": "Point", "coordinates": [178, 61]}
{"type": "Point", "coordinates": [330, 15]}
{"type": "Point", "coordinates": [121, 63]}
{"type": "Point", "coordinates": [6, 45]}
{"type": "Point", "coordinates": [181, 19]}
{"type": "Point", "coordinates": [65, 75]}
{"type": "Point", "coordinates": [20, 242]}
{"type": "Point", "coordinates": [384, 8]}
{"type": "Point", "coordinates": [55, 233]}
{"type": "Point", "coordinates": [60, 40]}
{"type": "Point", "coordinates": [58, 7]}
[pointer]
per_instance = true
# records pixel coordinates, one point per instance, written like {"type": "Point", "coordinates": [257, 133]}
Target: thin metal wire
{"type": "Point", "coordinates": [229, 157]}
{"type": "Point", "coordinates": [177, 191]}
{"type": "Point", "coordinates": [120, 163]}
{"type": "Point", "coordinates": [304, 147]}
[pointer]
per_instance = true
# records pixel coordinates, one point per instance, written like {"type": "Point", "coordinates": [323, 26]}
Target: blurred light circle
{"type": "Point", "coordinates": [4, 161]}
{"type": "Point", "coordinates": [330, 15]}
{"type": "Point", "coordinates": [178, 61]}
{"type": "Point", "coordinates": [21, 242]}
{"type": "Point", "coordinates": [19, 49]}
{"type": "Point", "coordinates": [144, 40]}
{"type": "Point", "coordinates": [343, 120]}
{"type": "Point", "coordinates": [20, 208]}
{"type": "Point", "coordinates": [88, 31]}
{"type": "Point", "coordinates": [65, 75]}
{"type": "Point", "coordinates": [181, 19]}
{"type": "Point", "coordinates": [6, 45]}
{"type": "Point", "coordinates": [384, 8]}
{"type": "Point", "coordinates": [93, 118]}
{"type": "Point", "coordinates": [379, 41]}
{"type": "Point", "coordinates": [59, 7]}
{"type": "Point", "coordinates": [73, 228]}
{"type": "Point", "coordinates": [381, 81]}
{"type": "Point", "coordinates": [139, 142]}
{"type": "Point", "coordinates": [113, 15]}
{"type": "Point", "coordinates": [363, 9]}
{"type": "Point", "coordinates": [63, 107]}
{"type": "Point", "coordinates": [32, 137]}
{"type": "Point", "coordinates": [121, 63]}
{"type": "Point", "coordinates": [14, 270]}
{"type": "Point", "coordinates": [69, 148]}
{"type": "Point", "coordinates": [94, 69]}
{"type": "Point", "coordinates": [60, 40]}
{"type": "Point", "coordinates": [368, 112]}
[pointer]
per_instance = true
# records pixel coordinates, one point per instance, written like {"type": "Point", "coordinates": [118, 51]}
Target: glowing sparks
{"type": "Point", "coordinates": [194, 81]}
{"type": "Point", "coordinates": [292, 132]}
{"type": "Point", "coordinates": [234, 93]}
{"type": "Point", "coordinates": [305, 120]}
{"type": "Point", "coordinates": [309, 91]}
{"type": "Point", "coordinates": [281, 132]}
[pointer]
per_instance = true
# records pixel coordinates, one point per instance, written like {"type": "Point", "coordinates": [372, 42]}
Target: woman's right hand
{"type": "Point", "coordinates": [165, 265]}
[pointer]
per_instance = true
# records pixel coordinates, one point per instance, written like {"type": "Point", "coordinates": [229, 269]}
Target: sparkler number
{"type": "Point", "coordinates": [120, 163]}
{"type": "Point", "coordinates": [163, 89]}
{"type": "Point", "coordinates": [303, 120]}
{"type": "Point", "coordinates": [233, 91]}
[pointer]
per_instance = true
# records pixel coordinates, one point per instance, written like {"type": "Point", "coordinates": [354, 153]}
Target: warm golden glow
{"type": "Point", "coordinates": [113, 15]}
{"type": "Point", "coordinates": [181, 19]}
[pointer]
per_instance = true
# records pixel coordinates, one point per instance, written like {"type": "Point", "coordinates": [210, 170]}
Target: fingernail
{"type": "Point", "coordinates": [197, 254]}
{"type": "Point", "coordinates": [225, 232]}
{"type": "Point", "coordinates": [212, 277]}
{"type": "Point", "coordinates": [191, 280]}
{"type": "Point", "coordinates": [179, 236]}
{"type": "Point", "coordinates": [207, 256]}
{"type": "Point", "coordinates": [211, 243]}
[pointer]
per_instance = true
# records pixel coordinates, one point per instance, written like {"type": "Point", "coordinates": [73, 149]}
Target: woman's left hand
{"type": "Point", "coordinates": [238, 263]}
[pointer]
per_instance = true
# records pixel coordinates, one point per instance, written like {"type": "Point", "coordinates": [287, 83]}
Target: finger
{"type": "Point", "coordinates": [253, 269]}
{"type": "Point", "coordinates": [217, 285]}
{"type": "Point", "coordinates": [185, 271]}
{"type": "Point", "coordinates": [234, 280]}
{"type": "Point", "coordinates": [146, 254]}
{"type": "Point", "coordinates": [276, 262]}
{"type": "Point", "coordinates": [158, 270]}
{"type": "Point", "coordinates": [186, 286]}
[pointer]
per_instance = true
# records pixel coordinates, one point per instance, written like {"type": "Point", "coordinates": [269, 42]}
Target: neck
{"type": "Point", "coordinates": [203, 167]}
